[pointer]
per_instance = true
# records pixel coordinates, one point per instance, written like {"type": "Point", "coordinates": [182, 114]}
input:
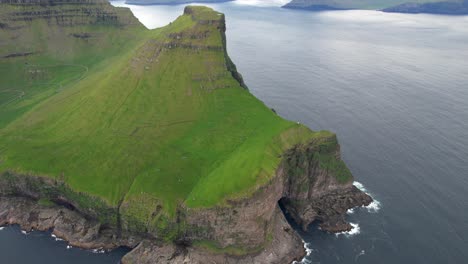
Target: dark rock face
{"type": "Point", "coordinates": [66, 224]}
{"type": "Point", "coordinates": [329, 209]}
{"type": "Point", "coordinates": [285, 247]}
{"type": "Point", "coordinates": [306, 190]}
{"type": "Point", "coordinates": [315, 194]}
{"type": "Point", "coordinates": [255, 227]}
{"type": "Point", "coordinates": [65, 13]}
{"type": "Point", "coordinates": [245, 224]}
{"type": "Point", "coordinates": [36, 188]}
{"type": "Point", "coordinates": [443, 8]}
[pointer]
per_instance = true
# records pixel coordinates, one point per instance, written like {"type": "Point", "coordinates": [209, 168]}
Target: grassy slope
{"type": "Point", "coordinates": [59, 60]}
{"type": "Point", "coordinates": [156, 125]}
{"type": "Point", "coordinates": [353, 4]}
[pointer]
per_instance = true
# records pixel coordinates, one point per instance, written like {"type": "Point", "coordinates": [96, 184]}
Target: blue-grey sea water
{"type": "Point", "coordinates": [394, 87]}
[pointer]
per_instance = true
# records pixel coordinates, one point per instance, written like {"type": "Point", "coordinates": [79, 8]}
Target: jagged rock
{"type": "Point", "coordinates": [64, 223]}
{"type": "Point", "coordinates": [316, 194]}
{"type": "Point", "coordinates": [285, 247]}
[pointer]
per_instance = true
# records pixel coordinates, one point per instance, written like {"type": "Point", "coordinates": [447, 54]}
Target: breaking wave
{"type": "Point", "coordinates": [56, 238]}
{"type": "Point", "coordinates": [98, 251]}
{"type": "Point", "coordinates": [1, 228]}
{"type": "Point", "coordinates": [354, 231]}
{"type": "Point", "coordinates": [373, 207]}
{"type": "Point", "coordinates": [308, 250]}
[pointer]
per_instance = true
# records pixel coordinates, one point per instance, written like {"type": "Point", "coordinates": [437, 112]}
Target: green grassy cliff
{"type": "Point", "coordinates": [132, 123]}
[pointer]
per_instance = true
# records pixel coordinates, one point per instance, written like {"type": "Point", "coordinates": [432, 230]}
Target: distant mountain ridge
{"type": "Point", "coordinates": [450, 7]}
{"type": "Point", "coordinates": [171, 2]}
{"type": "Point", "coordinates": [444, 8]}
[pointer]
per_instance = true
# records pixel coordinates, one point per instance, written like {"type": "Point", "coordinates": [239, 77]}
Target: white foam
{"type": "Point", "coordinates": [69, 247]}
{"type": "Point", "coordinates": [56, 238]}
{"type": "Point", "coordinates": [350, 211]}
{"type": "Point", "coordinates": [98, 251]}
{"type": "Point", "coordinates": [1, 228]}
{"type": "Point", "coordinates": [373, 207]}
{"type": "Point", "coordinates": [360, 186]}
{"type": "Point", "coordinates": [24, 232]}
{"type": "Point", "coordinates": [354, 231]}
{"type": "Point", "coordinates": [308, 250]}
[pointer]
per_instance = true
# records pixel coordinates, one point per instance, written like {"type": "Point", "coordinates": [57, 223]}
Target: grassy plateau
{"type": "Point", "coordinates": [145, 120]}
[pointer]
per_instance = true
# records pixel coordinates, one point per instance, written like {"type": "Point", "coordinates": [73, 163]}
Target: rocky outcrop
{"type": "Point", "coordinates": [285, 246]}
{"type": "Point", "coordinates": [314, 192]}
{"type": "Point", "coordinates": [328, 209]}
{"type": "Point", "coordinates": [55, 191]}
{"type": "Point", "coordinates": [312, 184]}
{"type": "Point", "coordinates": [244, 224]}
{"type": "Point", "coordinates": [65, 223]}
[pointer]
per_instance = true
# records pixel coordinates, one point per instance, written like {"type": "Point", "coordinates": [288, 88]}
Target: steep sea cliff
{"type": "Point", "coordinates": [310, 179]}
{"type": "Point", "coordinates": [308, 191]}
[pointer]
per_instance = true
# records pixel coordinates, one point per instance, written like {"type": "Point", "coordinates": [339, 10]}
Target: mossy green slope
{"type": "Point", "coordinates": [47, 46]}
{"type": "Point", "coordinates": [156, 123]}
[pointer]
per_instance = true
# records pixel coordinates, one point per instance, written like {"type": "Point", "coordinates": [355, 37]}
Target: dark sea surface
{"type": "Point", "coordinates": [394, 87]}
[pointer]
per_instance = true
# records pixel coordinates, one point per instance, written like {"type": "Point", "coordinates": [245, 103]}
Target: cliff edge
{"type": "Point", "coordinates": [115, 135]}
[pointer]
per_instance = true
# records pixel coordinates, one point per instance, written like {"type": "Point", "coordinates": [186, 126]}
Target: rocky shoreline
{"type": "Point", "coordinates": [250, 230]}
{"type": "Point", "coordinates": [83, 233]}
{"type": "Point", "coordinates": [312, 195]}
{"type": "Point", "coordinates": [73, 227]}
{"type": "Point", "coordinates": [67, 224]}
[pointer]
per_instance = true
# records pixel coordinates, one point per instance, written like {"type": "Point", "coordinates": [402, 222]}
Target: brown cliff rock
{"type": "Point", "coordinates": [250, 230]}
